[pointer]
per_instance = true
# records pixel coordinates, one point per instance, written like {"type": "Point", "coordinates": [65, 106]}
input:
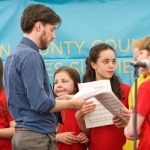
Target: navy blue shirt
{"type": "Point", "coordinates": [29, 94]}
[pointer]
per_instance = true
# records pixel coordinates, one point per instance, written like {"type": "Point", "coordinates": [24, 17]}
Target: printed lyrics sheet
{"type": "Point", "coordinates": [107, 104]}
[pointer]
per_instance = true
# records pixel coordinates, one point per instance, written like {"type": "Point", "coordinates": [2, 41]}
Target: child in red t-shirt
{"type": "Point", "coordinates": [143, 104]}
{"type": "Point", "coordinates": [7, 123]}
{"type": "Point", "coordinates": [100, 65]}
{"type": "Point", "coordinates": [69, 136]}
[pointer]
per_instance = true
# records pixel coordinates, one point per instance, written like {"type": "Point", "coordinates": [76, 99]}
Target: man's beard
{"type": "Point", "coordinates": [43, 41]}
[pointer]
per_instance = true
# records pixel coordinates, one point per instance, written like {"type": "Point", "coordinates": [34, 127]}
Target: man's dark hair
{"type": "Point", "coordinates": [37, 12]}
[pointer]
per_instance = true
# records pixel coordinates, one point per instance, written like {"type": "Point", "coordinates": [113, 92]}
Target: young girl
{"type": "Point", "coordinates": [7, 123]}
{"type": "Point", "coordinates": [69, 136]}
{"type": "Point", "coordinates": [143, 103]}
{"type": "Point", "coordinates": [101, 66]}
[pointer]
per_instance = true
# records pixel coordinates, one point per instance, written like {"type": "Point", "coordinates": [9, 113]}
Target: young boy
{"type": "Point", "coordinates": [143, 103]}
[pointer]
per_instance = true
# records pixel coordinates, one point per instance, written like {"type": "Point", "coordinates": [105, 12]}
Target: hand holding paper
{"type": "Point", "coordinates": [107, 104]}
{"type": "Point", "coordinates": [88, 107]}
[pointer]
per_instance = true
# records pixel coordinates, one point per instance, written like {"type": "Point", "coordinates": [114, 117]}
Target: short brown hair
{"type": "Point", "coordinates": [37, 12]}
{"type": "Point", "coordinates": [145, 44]}
{"type": "Point", "coordinates": [137, 43]}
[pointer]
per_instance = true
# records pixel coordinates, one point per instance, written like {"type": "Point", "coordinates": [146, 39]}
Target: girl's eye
{"type": "Point", "coordinates": [105, 62]}
{"type": "Point", "coordinates": [114, 61]}
{"type": "Point", "coordinates": [55, 82]}
{"type": "Point", "coordinates": [64, 81]}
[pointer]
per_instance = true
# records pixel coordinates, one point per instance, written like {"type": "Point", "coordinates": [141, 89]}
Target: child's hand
{"type": "Point", "coordinates": [67, 138]}
{"type": "Point", "coordinates": [126, 113]}
{"type": "Point", "coordinates": [82, 137]}
{"type": "Point", "coordinates": [88, 107]}
{"type": "Point", "coordinates": [119, 122]}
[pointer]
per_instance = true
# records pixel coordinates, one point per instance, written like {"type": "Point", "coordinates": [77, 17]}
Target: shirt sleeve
{"type": "Point", "coordinates": [143, 101]}
{"type": "Point", "coordinates": [33, 75]}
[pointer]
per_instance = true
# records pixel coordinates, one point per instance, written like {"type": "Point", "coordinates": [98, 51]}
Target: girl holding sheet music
{"type": "Point", "coordinates": [69, 136]}
{"type": "Point", "coordinates": [100, 65]}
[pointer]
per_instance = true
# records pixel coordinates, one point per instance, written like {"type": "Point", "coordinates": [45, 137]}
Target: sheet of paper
{"type": "Point", "coordinates": [90, 89]}
{"type": "Point", "coordinates": [111, 103]}
{"type": "Point", "coordinates": [107, 104]}
{"type": "Point", "coordinates": [100, 84]}
{"type": "Point", "coordinates": [85, 92]}
{"type": "Point", "coordinates": [100, 116]}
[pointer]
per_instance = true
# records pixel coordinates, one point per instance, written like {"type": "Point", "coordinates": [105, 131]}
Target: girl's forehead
{"type": "Point", "coordinates": [62, 74]}
{"type": "Point", "coordinates": [107, 53]}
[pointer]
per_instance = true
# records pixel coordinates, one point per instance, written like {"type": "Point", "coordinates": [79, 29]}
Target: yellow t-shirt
{"type": "Point", "coordinates": [129, 145]}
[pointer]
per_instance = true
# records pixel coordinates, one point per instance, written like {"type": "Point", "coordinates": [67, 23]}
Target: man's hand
{"type": "Point", "coordinates": [64, 97]}
{"type": "Point", "coordinates": [77, 103]}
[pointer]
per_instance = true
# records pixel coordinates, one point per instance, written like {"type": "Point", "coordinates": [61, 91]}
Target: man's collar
{"type": "Point", "coordinates": [29, 42]}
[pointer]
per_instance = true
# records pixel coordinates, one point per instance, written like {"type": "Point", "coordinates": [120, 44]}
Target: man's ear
{"type": "Point", "coordinates": [38, 26]}
{"type": "Point", "coordinates": [93, 65]}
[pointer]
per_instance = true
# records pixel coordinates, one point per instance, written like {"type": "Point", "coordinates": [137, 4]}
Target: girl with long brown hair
{"type": "Point", "coordinates": [100, 65]}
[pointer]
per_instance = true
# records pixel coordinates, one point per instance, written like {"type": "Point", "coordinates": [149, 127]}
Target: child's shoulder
{"type": "Point", "coordinates": [145, 84]}
{"type": "Point", "coordinates": [125, 86]}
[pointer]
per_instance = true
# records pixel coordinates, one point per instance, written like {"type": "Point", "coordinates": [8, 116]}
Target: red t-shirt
{"type": "Point", "coordinates": [70, 125]}
{"type": "Point", "coordinates": [109, 137]}
{"type": "Point", "coordinates": [5, 118]}
{"type": "Point", "coordinates": [143, 108]}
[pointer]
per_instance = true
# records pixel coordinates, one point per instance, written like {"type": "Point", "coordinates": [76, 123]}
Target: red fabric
{"type": "Point", "coordinates": [5, 118]}
{"type": "Point", "coordinates": [143, 108]}
{"type": "Point", "coordinates": [70, 125]}
{"type": "Point", "coordinates": [109, 137]}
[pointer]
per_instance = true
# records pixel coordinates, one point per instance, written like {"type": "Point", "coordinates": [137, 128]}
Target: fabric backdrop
{"type": "Point", "coordinates": [84, 23]}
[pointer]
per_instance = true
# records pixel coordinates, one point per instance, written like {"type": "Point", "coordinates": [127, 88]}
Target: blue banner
{"type": "Point", "coordinates": [84, 24]}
